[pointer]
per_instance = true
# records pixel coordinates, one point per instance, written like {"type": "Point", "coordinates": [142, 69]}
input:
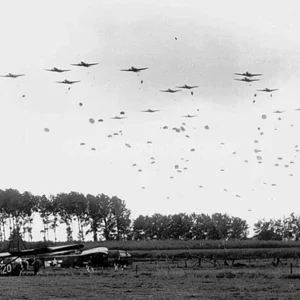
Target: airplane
{"type": "Point", "coordinates": [76, 258]}
{"type": "Point", "coordinates": [15, 260]}
{"type": "Point", "coordinates": [133, 69]}
{"type": "Point", "coordinates": [246, 79]}
{"type": "Point", "coordinates": [12, 75]}
{"type": "Point", "coordinates": [67, 81]}
{"type": "Point", "coordinates": [150, 110]}
{"type": "Point", "coordinates": [170, 91]}
{"type": "Point", "coordinates": [268, 90]}
{"type": "Point", "coordinates": [118, 118]}
{"type": "Point", "coordinates": [189, 116]}
{"type": "Point", "coordinates": [189, 87]}
{"type": "Point", "coordinates": [93, 257]}
{"type": "Point", "coordinates": [57, 70]}
{"type": "Point", "coordinates": [247, 74]}
{"type": "Point", "coordinates": [278, 111]}
{"type": "Point", "coordinates": [83, 64]}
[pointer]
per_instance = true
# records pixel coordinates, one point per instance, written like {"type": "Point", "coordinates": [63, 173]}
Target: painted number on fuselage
{"type": "Point", "coordinates": [6, 269]}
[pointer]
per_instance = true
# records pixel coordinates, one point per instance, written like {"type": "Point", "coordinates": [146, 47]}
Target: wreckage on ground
{"type": "Point", "coordinates": [18, 260]}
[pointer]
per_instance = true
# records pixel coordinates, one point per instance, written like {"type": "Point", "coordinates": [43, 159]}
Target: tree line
{"type": "Point", "coordinates": [108, 218]}
{"type": "Point", "coordinates": [286, 228]}
{"type": "Point", "coordinates": [103, 216]}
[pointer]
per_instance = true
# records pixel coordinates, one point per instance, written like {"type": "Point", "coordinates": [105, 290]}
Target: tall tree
{"type": "Point", "coordinates": [3, 215]}
{"type": "Point", "coordinates": [201, 226]}
{"type": "Point", "coordinates": [180, 226]}
{"type": "Point", "coordinates": [238, 228]}
{"type": "Point", "coordinates": [121, 216]}
{"type": "Point", "coordinates": [29, 206]}
{"type": "Point", "coordinates": [94, 216]}
{"type": "Point", "coordinates": [108, 220]}
{"type": "Point", "coordinates": [45, 211]}
{"type": "Point", "coordinates": [77, 206]}
{"type": "Point", "coordinates": [66, 213]}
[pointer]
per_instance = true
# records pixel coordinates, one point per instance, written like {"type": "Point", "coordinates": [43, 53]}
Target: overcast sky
{"type": "Point", "coordinates": [181, 42]}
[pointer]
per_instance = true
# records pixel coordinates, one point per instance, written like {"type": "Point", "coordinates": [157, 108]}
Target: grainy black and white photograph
{"type": "Point", "coordinates": [149, 149]}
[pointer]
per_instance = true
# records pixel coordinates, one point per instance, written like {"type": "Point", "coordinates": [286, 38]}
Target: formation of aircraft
{"type": "Point", "coordinates": [247, 77]}
{"type": "Point", "coordinates": [10, 75]}
{"type": "Point", "coordinates": [133, 69]}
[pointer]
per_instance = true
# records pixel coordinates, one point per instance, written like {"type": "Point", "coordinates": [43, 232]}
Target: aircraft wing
{"type": "Point", "coordinates": [44, 250]}
{"type": "Point", "coordinates": [5, 254]}
{"type": "Point", "coordinates": [64, 247]}
{"type": "Point", "coordinates": [94, 251]}
{"type": "Point", "coordinates": [58, 253]}
{"type": "Point", "coordinates": [141, 69]}
{"type": "Point", "coordinates": [127, 70]}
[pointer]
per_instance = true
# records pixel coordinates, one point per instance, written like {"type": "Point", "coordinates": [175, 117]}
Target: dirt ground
{"type": "Point", "coordinates": [156, 281]}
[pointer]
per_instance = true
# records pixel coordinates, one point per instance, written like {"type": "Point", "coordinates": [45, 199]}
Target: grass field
{"type": "Point", "coordinates": [162, 280]}
{"type": "Point", "coordinates": [171, 270]}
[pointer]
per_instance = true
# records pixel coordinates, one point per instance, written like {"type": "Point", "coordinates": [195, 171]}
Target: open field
{"type": "Point", "coordinates": [162, 280]}
{"type": "Point", "coordinates": [173, 270]}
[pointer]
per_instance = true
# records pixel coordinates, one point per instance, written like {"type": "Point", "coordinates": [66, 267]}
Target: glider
{"type": "Point", "coordinates": [12, 75]}
{"type": "Point", "coordinates": [189, 87]}
{"type": "Point", "coordinates": [268, 90]}
{"type": "Point", "coordinates": [133, 69]}
{"type": "Point", "coordinates": [67, 81]}
{"type": "Point", "coordinates": [189, 116]}
{"type": "Point", "coordinates": [11, 262]}
{"type": "Point", "coordinates": [170, 91]}
{"type": "Point", "coordinates": [83, 64]}
{"type": "Point", "coordinates": [247, 74]}
{"type": "Point", "coordinates": [150, 110]}
{"type": "Point", "coordinates": [57, 70]}
{"type": "Point", "coordinates": [246, 79]}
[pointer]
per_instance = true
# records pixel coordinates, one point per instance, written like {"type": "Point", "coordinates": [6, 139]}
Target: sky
{"type": "Point", "coordinates": [180, 42]}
